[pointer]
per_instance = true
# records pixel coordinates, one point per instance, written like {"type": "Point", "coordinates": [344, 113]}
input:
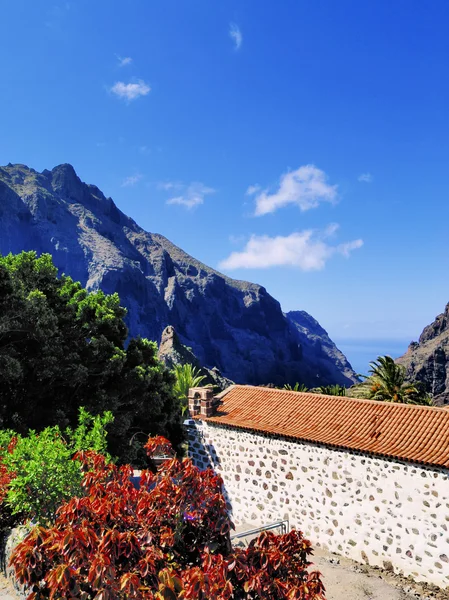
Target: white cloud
{"type": "Point", "coordinates": [192, 195]}
{"type": "Point", "coordinates": [130, 91]}
{"type": "Point", "coordinates": [132, 180]}
{"type": "Point", "coordinates": [307, 250]}
{"type": "Point", "coordinates": [236, 35]}
{"type": "Point", "coordinates": [306, 187]}
{"type": "Point", "coordinates": [253, 189]}
{"type": "Point", "coordinates": [365, 177]}
{"type": "Point", "coordinates": [124, 61]}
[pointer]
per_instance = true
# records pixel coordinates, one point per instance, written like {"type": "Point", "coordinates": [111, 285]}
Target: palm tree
{"type": "Point", "coordinates": [298, 387]}
{"type": "Point", "coordinates": [387, 382]}
{"type": "Point", "coordinates": [333, 390]}
{"type": "Point", "coordinates": [187, 376]}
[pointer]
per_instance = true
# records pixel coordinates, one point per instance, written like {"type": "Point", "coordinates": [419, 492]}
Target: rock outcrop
{"type": "Point", "coordinates": [233, 325]}
{"type": "Point", "coordinates": [172, 352]}
{"type": "Point", "coordinates": [428, 359]}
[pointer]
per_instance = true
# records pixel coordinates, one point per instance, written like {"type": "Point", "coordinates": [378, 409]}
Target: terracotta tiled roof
{"type": "Point", "coordinates": [413, 433]}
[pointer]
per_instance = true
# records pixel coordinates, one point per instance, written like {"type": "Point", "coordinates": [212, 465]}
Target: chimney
{"type": "Point", "coordinates": [200, 401]}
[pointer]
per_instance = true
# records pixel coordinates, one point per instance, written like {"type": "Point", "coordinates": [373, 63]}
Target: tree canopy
{"type": "Point", "coordinates": [62, 347]}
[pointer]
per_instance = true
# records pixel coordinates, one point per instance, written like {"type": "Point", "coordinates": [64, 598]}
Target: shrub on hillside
{"type": "Point", "coordinates": [167, 540]}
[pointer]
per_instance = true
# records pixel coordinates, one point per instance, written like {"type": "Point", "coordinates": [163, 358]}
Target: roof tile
{"type": "Point", "coordinates": [412, 433]}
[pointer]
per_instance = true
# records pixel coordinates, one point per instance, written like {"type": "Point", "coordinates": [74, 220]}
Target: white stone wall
{"type": "Point", "coordinates": [387, 513]}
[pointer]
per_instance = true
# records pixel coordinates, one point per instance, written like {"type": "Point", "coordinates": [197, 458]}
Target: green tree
{"type": "Point", "coordinates": [387, 382]}
{"type": "Point", "coordinates": [187, 376]}
{"type": "Point", "coordinates": [62, 347]}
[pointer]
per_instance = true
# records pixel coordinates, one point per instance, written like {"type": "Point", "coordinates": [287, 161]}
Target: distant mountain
{"type": "Point", "coordinates": [428, 359]}
{"type": "Point", "coordinates": [233, 325]}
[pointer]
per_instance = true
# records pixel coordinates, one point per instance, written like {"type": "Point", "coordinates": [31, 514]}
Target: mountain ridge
{"type": "Point", "coordinates": [230, 324]}
{"type": "Point", "coordinates": [428, 359]}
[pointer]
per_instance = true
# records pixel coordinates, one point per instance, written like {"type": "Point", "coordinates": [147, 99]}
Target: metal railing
{"type": "Point", "coordinates": [284, 527]}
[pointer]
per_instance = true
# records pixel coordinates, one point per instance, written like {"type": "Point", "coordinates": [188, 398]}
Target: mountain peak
{"type": "Point", "coordinates": [64, 179]}
{"type": "Point", "coordinates": [64, 167]}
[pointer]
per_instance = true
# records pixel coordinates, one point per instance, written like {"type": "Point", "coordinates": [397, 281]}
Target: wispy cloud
{"type": "Point", "coordinates": [365, 177]}
{"type": "Point", "coordinates": [124, 61]}
{"type": "Point", "coordinates": [308, 250]}
{"type": "Point", "coordinates": [306, 187]}
{"type": "Point", "coordinates": [132, 180]}
{"type": "Point", "coordinates": [253, 189]}
{"type": "Point", "coordinates": [130, 91]}
{"type": "Point", "coordinates": [170, 186]}
{"type": "Point", "coordinates": [190, 195]}
{"type": "Point", "coordinates": [236, 35]}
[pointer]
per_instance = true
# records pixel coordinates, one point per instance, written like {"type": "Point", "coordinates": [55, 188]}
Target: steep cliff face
{"type": "Point", "coordinates": [235, 326]}
{"type": "Point", "coordinates": [318, 349]}
{"type": "Point", "coordinates": [428, 359]}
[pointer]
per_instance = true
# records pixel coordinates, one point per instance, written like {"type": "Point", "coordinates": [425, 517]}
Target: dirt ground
{"type": "Point", "coordinates": [7, 591]}
{"type": "Point", "coordinates": [347, 580]}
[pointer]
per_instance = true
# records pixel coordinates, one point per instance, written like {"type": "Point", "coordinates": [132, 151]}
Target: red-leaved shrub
{"type": "Point", "coordinates": [167, 540]}
{"type": "Point", "coordinates": [7, 519]}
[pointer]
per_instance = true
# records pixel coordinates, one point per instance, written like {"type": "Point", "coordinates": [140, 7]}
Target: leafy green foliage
{"type": "Point", "coordinates": [298, 387]}
{"type": "Point", "coordinates": [62, 347]}
{"type": "Point", "coordinates": [91, 433]}
{"type": "Point", "coordinates": [187, 376]}
{"type": "Point", "coordinates": [40, 466]}
{"type": "Point", "coordinates": [167, 540]}
{"type": "Point", "coordinates": [387, 382]}
{"type": "Point", "coordinates": [333, 390]}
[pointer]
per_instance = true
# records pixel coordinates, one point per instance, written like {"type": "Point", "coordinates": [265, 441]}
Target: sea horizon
{"type": "Point", "coordinates": [360, 352]}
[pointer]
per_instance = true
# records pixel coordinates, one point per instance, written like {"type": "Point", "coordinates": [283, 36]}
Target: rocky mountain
{"type": "Point", "coordinates": [233, 325]}
{"type": "Point", "coordinates": [428, 359]}
{"type": "Point", "coordinates": [317, 347]}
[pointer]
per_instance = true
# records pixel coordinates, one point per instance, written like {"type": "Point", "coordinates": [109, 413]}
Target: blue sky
{"type": "Point", "coordinates": [301, 145]}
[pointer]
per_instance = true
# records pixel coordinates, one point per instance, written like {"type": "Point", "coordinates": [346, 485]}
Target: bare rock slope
{"type": "Point", "coordinates": [317, 347]}
{"type": "Point", "coordinates": [428, 359]}
{"type": "Point", "coordinates": [233, 325]}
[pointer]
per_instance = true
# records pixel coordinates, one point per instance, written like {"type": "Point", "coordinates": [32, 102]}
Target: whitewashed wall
{"type": "Point", "coordinates": [387, 513]}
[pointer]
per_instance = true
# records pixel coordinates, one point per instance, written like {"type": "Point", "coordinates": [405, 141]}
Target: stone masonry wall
{"type": "Point", "coordinates": [387, 513]}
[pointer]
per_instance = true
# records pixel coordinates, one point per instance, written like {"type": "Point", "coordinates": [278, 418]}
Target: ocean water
{"type": "Point", "coordinates": [361, 352]}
